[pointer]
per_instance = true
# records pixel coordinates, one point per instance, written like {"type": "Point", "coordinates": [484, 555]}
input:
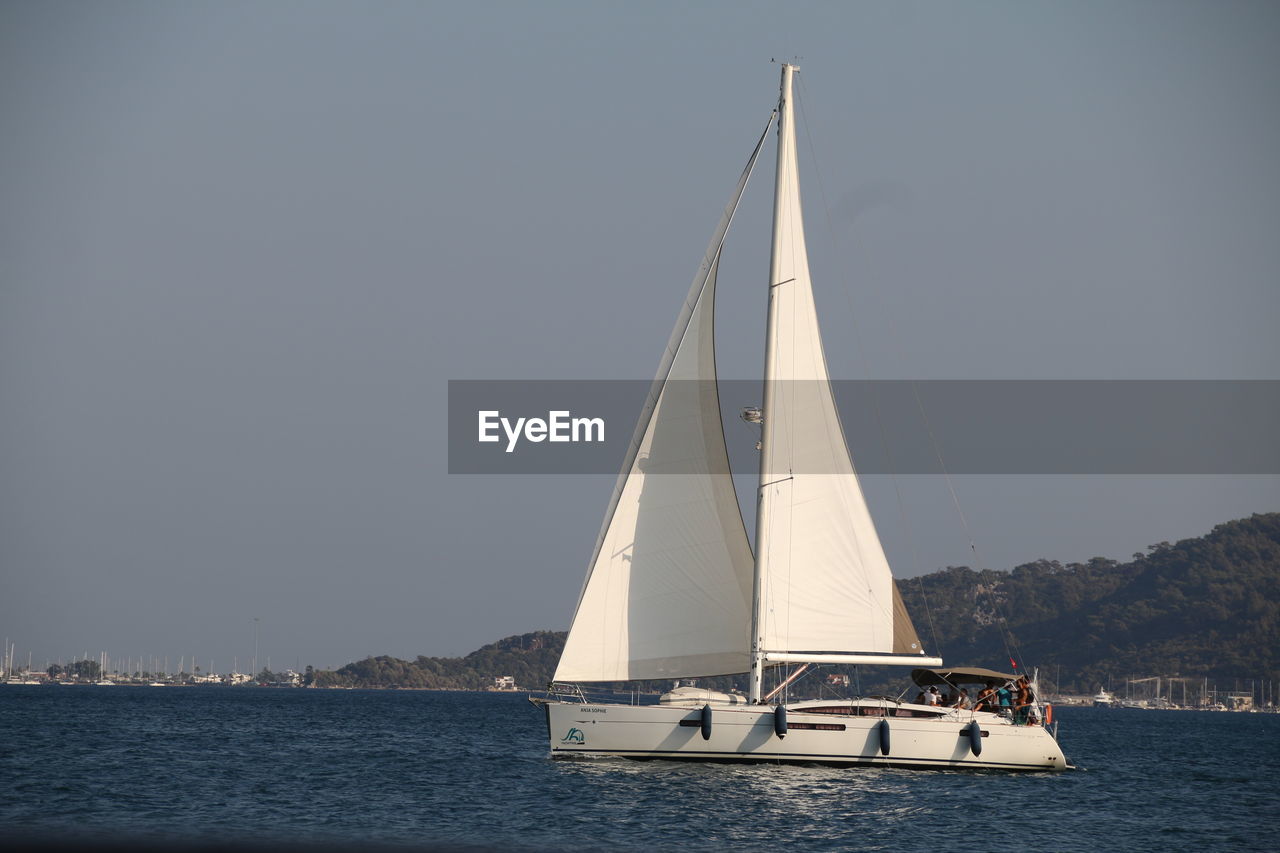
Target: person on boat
{"type": "Point", "coordinates": [1025, 700]}
{"type": "Point", "coordinates": [962, 700]}
{"type": "Point", "coordinates": [1004, 696]}
{"type": "Point", "coordinates": [931, 696]}
{"type": "Point", "coordinates": [986, 699]}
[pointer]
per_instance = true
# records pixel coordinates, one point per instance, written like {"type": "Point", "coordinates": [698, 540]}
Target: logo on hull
{"type": "Point", "coordinates": [574, 735]}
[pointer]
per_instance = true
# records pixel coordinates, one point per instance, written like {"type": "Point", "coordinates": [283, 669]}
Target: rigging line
{"type": "Point", "coordinates": [1006, 635]}
{"type": "Point", "coordinates": [810, 671]}
{"type": "Point", "coordinates": [876, 410]}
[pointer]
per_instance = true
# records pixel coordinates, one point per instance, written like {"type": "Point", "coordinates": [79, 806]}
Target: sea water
{"type": "Point", "coordinates": [240, 765]}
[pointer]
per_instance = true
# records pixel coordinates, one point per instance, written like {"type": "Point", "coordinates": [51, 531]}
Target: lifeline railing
{"type": "Point", "coordinates": [574, 693]}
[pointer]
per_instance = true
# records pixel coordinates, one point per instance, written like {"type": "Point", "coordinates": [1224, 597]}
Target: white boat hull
{"type": "Point", "coordinates": [746, 733]}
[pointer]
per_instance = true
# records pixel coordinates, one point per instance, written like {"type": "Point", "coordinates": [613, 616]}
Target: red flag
{"type": "Point", "coordinates": [1015, 664]}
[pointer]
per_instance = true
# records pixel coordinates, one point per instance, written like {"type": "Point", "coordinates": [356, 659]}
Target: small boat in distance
{"type": "Point", "coordinates": [675, 591]}
{"type": "Point", "coordinates": [1104, 700]}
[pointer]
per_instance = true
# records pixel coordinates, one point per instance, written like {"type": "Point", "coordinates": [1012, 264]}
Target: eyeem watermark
{"type": "Point", "coordinates": [993, 427]}
{"type": "Point", "coordinates": [559, 426]}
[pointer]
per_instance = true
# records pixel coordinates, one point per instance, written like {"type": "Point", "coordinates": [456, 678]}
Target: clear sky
{"type": "Point", "coordinates": [244, 246]}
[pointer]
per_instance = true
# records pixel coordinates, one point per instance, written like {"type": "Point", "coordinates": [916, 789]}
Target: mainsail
{"type": "Point", "coordinates": [825, 590]}
{"type": "Point", "coordinates": [668, 592]}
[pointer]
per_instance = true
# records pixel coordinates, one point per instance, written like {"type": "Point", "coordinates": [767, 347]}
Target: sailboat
{"type": "Point", "coordinates": [675, 591]}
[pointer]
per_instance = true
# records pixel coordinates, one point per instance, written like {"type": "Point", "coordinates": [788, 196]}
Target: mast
{"type": "Point", "coordinates": [786, 149]}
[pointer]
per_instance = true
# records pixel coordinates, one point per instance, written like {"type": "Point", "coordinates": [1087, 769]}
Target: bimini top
{"type": "Point", "coordinates": [961, 675]}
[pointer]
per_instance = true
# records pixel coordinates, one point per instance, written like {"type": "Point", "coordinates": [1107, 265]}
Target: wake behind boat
{"type": "Point", "coordinates": [674, 590]}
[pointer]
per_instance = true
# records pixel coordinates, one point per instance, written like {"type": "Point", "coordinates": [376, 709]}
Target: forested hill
{"type": "Point", "coordinates": [1206, 607]}
{"type": "Point", "coordinates": [529, 658]}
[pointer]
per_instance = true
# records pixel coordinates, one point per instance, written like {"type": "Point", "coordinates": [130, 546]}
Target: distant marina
{"type": "Point", "coordinates": [106, 671]}
{"type": "Point", "coordinates": [1183, 694]}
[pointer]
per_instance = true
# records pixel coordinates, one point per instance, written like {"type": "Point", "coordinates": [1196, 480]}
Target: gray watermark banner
{"type": "Point", "coordinates": [892, 426]}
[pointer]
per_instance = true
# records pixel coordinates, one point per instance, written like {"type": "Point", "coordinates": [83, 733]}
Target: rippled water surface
{"type": "Point", "coordinates": [465, 768]}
